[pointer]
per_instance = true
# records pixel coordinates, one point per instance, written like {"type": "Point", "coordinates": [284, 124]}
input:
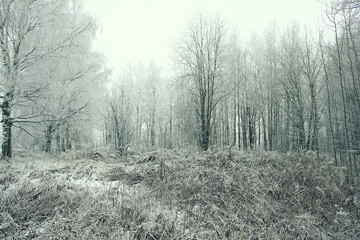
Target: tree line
{"type": "Point", "coordinates": [284, 90]}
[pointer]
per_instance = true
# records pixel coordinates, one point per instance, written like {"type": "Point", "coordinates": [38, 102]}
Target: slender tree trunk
{"type": "Point", "coordinates": [270, 124]}
{"type": "Point", "coordinates": [213, 138]}
{"type": "Point", "coordinates": [239, 123]}
{"type": "Point", "coordinates": [342, 82]}
{"type": "Point", "coordinates": [227, 126]}
{"type": "Point", "coordinates": [7, 125]}
{"type": "Point", "coordinates": [328, 103]}
{"type": "Point", "coordinates": [244, 128]}
{"type": "Point", "coordinates": [276, 128]}
{"type": "Point", "coordinates": [234, 123]}
{"type": "Point", "coordinates": [287, 126]}
{"type": "Point", "coordinates": [203, 142]}
{"type": "Point", "coordinates": [315, 141]}
{"type": "Point", "coordinates": [264, 131]}
{"type": "Point", "coordinates": [300, 125]}
{"type": "Point", "coordinates": [356, 110]}
{"type": "Point", "coordinates": [58, 143]}
{"type": "Point", "coordinates": [152, 132]}
{"type": "Point", "coordinates": [251, 126]}
{"type": "Point", "coordinates": [204, 135]}
{"type": "Point", "coordinates": [170, 127]}
{"type": "Point", "coordinates": [67, 138]}
{"type": "Point", "coordinates": [48, 137]}
{"type": "Point", "coordinates": [310, 128]}
{"type": "Point", "coordinates": [259, 131]}
{"type": "Point", "coordinates": [63, 146]}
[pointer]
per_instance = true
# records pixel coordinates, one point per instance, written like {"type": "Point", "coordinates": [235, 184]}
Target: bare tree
{"type": "Point", "coordinates": [334, 16]}
{"type": "Point", "coordinates": [293, 86]}
{"type": "Point", "coordinates": [17, 21]}
{"type": "Point", "coordinates": [152, 100]}
{"type": "Point", "coordinates": [201, 58]}
{"type": "Point", "coordinates": [310, 59]}
{"type": "Point", "coordinates": [328, 96]}
{"type": "Point", "coordinates": [119, 119]}
{"type": "Point", "coordinates": [23, 27]}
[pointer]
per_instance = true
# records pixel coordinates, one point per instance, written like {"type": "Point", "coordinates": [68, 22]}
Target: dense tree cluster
{"type": "Point", "coordinates": [287, 90]}
{"type": "Point", "coordinates": [47, 69]}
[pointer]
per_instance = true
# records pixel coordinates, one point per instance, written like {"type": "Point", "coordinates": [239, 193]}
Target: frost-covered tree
{"type": "Point", "coordinates": [70, 74]}
{"type": "Point", "coordinates": [152, 92]}
{"type": "Point", "coordinates": [200, 57]}
{"type": "Point", "coordinates": [119, 127]}
{"type": "Point", "coordinates": [340, 63]}
{"type": "Point", "coordinates": [35, 36]}
{"type": "Point", "coordinates": [19, 21]}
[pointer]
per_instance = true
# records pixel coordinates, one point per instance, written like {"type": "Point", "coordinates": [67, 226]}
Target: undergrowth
{"type": "Point", "coordinates": [178, 194]}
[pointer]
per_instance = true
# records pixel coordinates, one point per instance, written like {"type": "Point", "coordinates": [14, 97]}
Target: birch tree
{"type": "Point", "coordinates": [23, 27]}
{"type": "Point", "coordinates": [18, 20]}
{"type": "Point", "coordinates": [71, 75]}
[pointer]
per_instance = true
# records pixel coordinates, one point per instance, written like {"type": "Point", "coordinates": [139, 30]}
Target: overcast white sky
{"type": "Point", "coordinates": [144, 30]}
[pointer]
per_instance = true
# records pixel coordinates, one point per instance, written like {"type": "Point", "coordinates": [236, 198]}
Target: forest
{"type": "Point", "coordinates": [268, 127]}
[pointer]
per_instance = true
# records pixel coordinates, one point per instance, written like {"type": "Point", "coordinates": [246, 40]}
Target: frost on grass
{"type": "Point", "coordinates": [179, 194]}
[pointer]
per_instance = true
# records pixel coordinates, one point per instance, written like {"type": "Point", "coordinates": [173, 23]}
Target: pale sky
{"type": "Point", "coordinates": [144, 30]}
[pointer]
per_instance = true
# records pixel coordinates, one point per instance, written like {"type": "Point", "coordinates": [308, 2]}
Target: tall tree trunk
{"type": "Point", "coordinates": [328, 102]}
{"type": "Point", "coordinates": [213, 131]}
{"type": "Point", "coordinates": [315, 141]}
{"type": "Point", "coordinates": [239, 124]}
{"type": "Point", "coordinates": [356, 111]}
{"type": "Point", "coordinates": [286, 137]}
{"type": "Point", "coordinates": [259, 131]}
{"type": "Point", "coordinates": [48, 137]}
{"type": "Point", "coordinates": [264, 131]}
{"type": "Point", "coordinates": [152, 133]}
{"type": "Point", "coordinates": [244, 128]}
{"type": "Point", "coordinates": [251, 126]}
{"type": "Point", "coordinates": [342, 82]}
{"type": "Point", "coordinates": [270, 124]}
{"type": "Point", "coordinates": [234, 123]}
{"type": "Point", "coordinates": [202, 137]}
{"type": "Point", "coordinates": [67, 138]}
{"type": "Point", "coordinates": [170, 144]}
{"type": "Point", "coordinates": [300, 125]}
{"type": "Point", "coordinates": [275, 130]}
{"type": "Point", "coordinates": [310, 128]}
{"type": "Point", "coordinates": [227, 125]}
{"type": "Point", "coordinates": [7, 125]}
{"type": "Point", "coordinates": [58, 141]}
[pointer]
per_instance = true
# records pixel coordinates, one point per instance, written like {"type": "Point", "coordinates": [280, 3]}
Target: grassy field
{"type": "Point", "coordinates": [178, 194]}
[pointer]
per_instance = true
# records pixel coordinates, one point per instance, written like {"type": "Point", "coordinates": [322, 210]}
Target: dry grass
{"type": "Point", "coordinates": [180, 194]}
